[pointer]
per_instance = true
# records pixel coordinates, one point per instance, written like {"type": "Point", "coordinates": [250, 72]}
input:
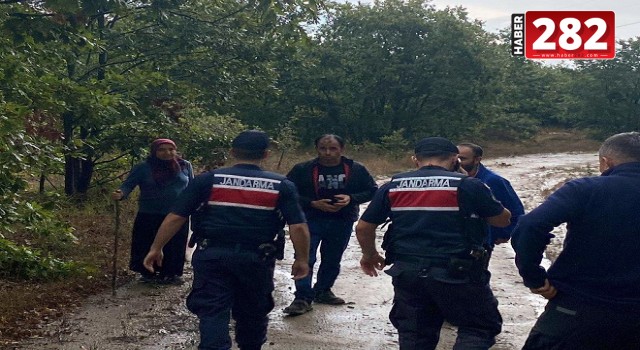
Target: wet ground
{"type": "Point", "coordinates": [154, 317]}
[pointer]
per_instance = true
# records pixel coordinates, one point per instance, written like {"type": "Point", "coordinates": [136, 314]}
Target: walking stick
{"type": "Point", "coordinates": [115, 249]}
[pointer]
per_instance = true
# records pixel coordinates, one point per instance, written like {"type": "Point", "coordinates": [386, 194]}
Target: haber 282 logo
{"type": "Point", "coordinates": [563, 34]}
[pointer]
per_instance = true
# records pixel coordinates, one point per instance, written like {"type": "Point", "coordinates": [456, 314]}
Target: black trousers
{"type": "Point", "coordinates": [231, 283]}
{"type": "Point", "coordinates": [145, 228]}
{"type": "Point", "coordinates": [422, 304]}
{"type": "Point", "coordinates": [572, 323]}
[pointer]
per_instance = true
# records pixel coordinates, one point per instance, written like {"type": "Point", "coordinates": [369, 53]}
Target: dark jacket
{"type": "Point", "coordinates": [243, 204]}
{"type": "Point", "coordinates": [427, 207]}
{"type": "Point", "coordinates": [599, 260]}
{"type": "Point", "coordinates": [360, 186]}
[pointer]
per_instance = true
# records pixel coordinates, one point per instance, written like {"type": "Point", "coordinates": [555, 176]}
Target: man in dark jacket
{"type": "Point", "coordinates": [331, 189]}
{"type": "Point", "coordinates": [593, 286]}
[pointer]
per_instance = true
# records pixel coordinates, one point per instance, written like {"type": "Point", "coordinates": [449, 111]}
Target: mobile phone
{"type": "Point", "coordinates": [333, 200]}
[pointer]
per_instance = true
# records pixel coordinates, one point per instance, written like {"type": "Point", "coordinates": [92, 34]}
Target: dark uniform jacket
{"type": "Point", "coordinates": [427, 208]}
{"type": "Point", "coordinates": [360, 186]}
{"type": "Point", "coordinates": [240, 204]}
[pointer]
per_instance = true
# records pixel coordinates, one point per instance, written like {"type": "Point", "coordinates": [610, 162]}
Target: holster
{"type": "Point", "coordinates": [279, 243]}
{"type": "Point", "coordinates": [386, 242]}
{"type": "Point", "coordinates": [460, 267]}
{"type": "Point", "coordinates": [472, 265]}
{"type": "Point", "coordinates": [275, 249]}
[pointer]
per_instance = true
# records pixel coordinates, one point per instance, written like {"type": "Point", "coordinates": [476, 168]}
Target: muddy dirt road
{"type": "Point", "coordinates": [148, 317]}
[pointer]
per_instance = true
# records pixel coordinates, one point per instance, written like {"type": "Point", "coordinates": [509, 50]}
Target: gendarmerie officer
{"type": "Point", "coordinates": [236, 212]}
{"type": "Point", "coordinates": [438, 224]}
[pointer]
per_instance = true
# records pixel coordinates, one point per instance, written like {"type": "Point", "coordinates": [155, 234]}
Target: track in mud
{"type": "Point", "coordinates": [148, 317]}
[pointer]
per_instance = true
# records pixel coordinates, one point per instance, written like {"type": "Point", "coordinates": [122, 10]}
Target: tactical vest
{"type": "Point", "coordinates": [241, 207]}
{"type": "Point", "coordinates": [427, 220]}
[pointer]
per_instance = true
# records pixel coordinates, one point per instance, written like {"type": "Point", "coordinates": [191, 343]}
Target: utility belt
{"type": "Point", "coordinates": [273, 250]}
{"type": "Point", "coordinates": [460, 267]}
{"type": "Point", "coordinates": [421, 261]}
{"type": "Point", "coordinates": [207, 243]}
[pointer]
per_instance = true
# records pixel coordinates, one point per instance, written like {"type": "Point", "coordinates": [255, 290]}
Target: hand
{"type": "Point", "coordinates": [325, 205]}
{"type": "Point", "coordinates": [548, 290]}
{"type": "Point", "coordinates": [371, 263]}
{"type": "Point", "coordinates": [299, 269]}
{"type": "Point", "coordinates": [501, 240]}
{"type": "Point", "coordinates": [153, 258]}
{"type": "Point", "coordinates": [116, 195]}
{"type": "Point", "coordinates": [342, 200]}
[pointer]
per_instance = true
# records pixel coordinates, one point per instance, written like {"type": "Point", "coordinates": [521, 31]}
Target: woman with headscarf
{"type": "Point", "coordinates": [161, 178]}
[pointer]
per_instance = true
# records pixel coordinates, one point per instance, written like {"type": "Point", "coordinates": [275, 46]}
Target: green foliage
{"type": "Point", "coordinates": [205, 138]}
{"type": "Point", "coordinates": [372, 69]}
{"type": "Point", "coordinates": [24, 263]}
{"type": "Point", "coordinates": [395, 143]}
{"type": "Point", "coordinates": [286, 139]}
{"type": "Point", "coordinates": [510, 127]}
{"type": "Point", "coordinates": [20, 159]}
{"type": "Point", "coordinates": [286, 136]}
{"type": "Point", "coordinates": [607, 92]}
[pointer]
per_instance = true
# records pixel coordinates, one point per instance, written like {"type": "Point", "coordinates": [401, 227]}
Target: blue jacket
{"type": "Point", "coordinates": [600, 259]}
{"type": "Point", "coordinates": [155, 198]}
{"type": "Point", "coordinates": [505, 194]}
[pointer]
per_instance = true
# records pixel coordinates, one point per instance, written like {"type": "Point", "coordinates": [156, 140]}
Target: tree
{"type": "Point", "coordinates": [373, 69]}
{"type": "Point", "coordinates": [606, 95]}
{"type": "Point", "coordinates": [122, 71]}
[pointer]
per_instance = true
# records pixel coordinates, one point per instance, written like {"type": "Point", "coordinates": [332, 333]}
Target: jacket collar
{"type": "Point", "coordinates": [624, 168]}
{"type": "Point", "coordinates": [247, 166]}
{"type": "Point", "coordinates": [343, 160]}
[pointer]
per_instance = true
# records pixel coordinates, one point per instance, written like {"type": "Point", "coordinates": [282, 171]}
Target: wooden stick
{"type": "Point", "coordinates": [115, 249]}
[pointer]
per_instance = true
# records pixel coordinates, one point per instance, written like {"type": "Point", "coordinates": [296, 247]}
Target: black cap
{"type": "Point", "coordinates": [251, 140]}
{"type": "Point", "coordinates": [435, 145]}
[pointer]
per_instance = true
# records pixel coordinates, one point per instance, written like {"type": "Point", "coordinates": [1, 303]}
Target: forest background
{"type": "Point", "coordinates": [86, 85]}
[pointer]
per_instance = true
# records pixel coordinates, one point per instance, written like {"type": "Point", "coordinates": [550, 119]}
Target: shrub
{"type": "Point", "coordinates": [24, 263]}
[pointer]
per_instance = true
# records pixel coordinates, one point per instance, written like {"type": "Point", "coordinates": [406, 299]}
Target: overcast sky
{"type": "Point", "coordinates": [496, 14]}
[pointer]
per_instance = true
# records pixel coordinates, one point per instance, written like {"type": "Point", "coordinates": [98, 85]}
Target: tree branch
{"type": "Point", "coordinates": [216, 21]}
{"type": "Point", "coordinates": [31, 15]}
{"type": "Point", "coordinates": [90, 71]}
{"type": "Point", "coordinates": [111, 160]}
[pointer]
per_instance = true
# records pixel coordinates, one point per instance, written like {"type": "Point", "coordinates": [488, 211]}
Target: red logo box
{"type": "Point", "coordinates": [569, 35]}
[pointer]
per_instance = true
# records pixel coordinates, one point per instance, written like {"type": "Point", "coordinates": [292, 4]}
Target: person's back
{"type": "Point", "coordinates": [593, 287]}
{"type": "Point", "coordinates": [435, 233]}
{"type": "Point", "coordinates": [237, 213]}
{"type": "Point", "coordinates": [438, 224]}
{"type": "Point", "coordinates": [240, 206]}
{"type": "Point", "coordinates": [603, 235]}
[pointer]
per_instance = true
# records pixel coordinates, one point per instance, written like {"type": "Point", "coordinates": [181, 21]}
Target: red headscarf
{"type": "Point", "coordinates": [163, 171]}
